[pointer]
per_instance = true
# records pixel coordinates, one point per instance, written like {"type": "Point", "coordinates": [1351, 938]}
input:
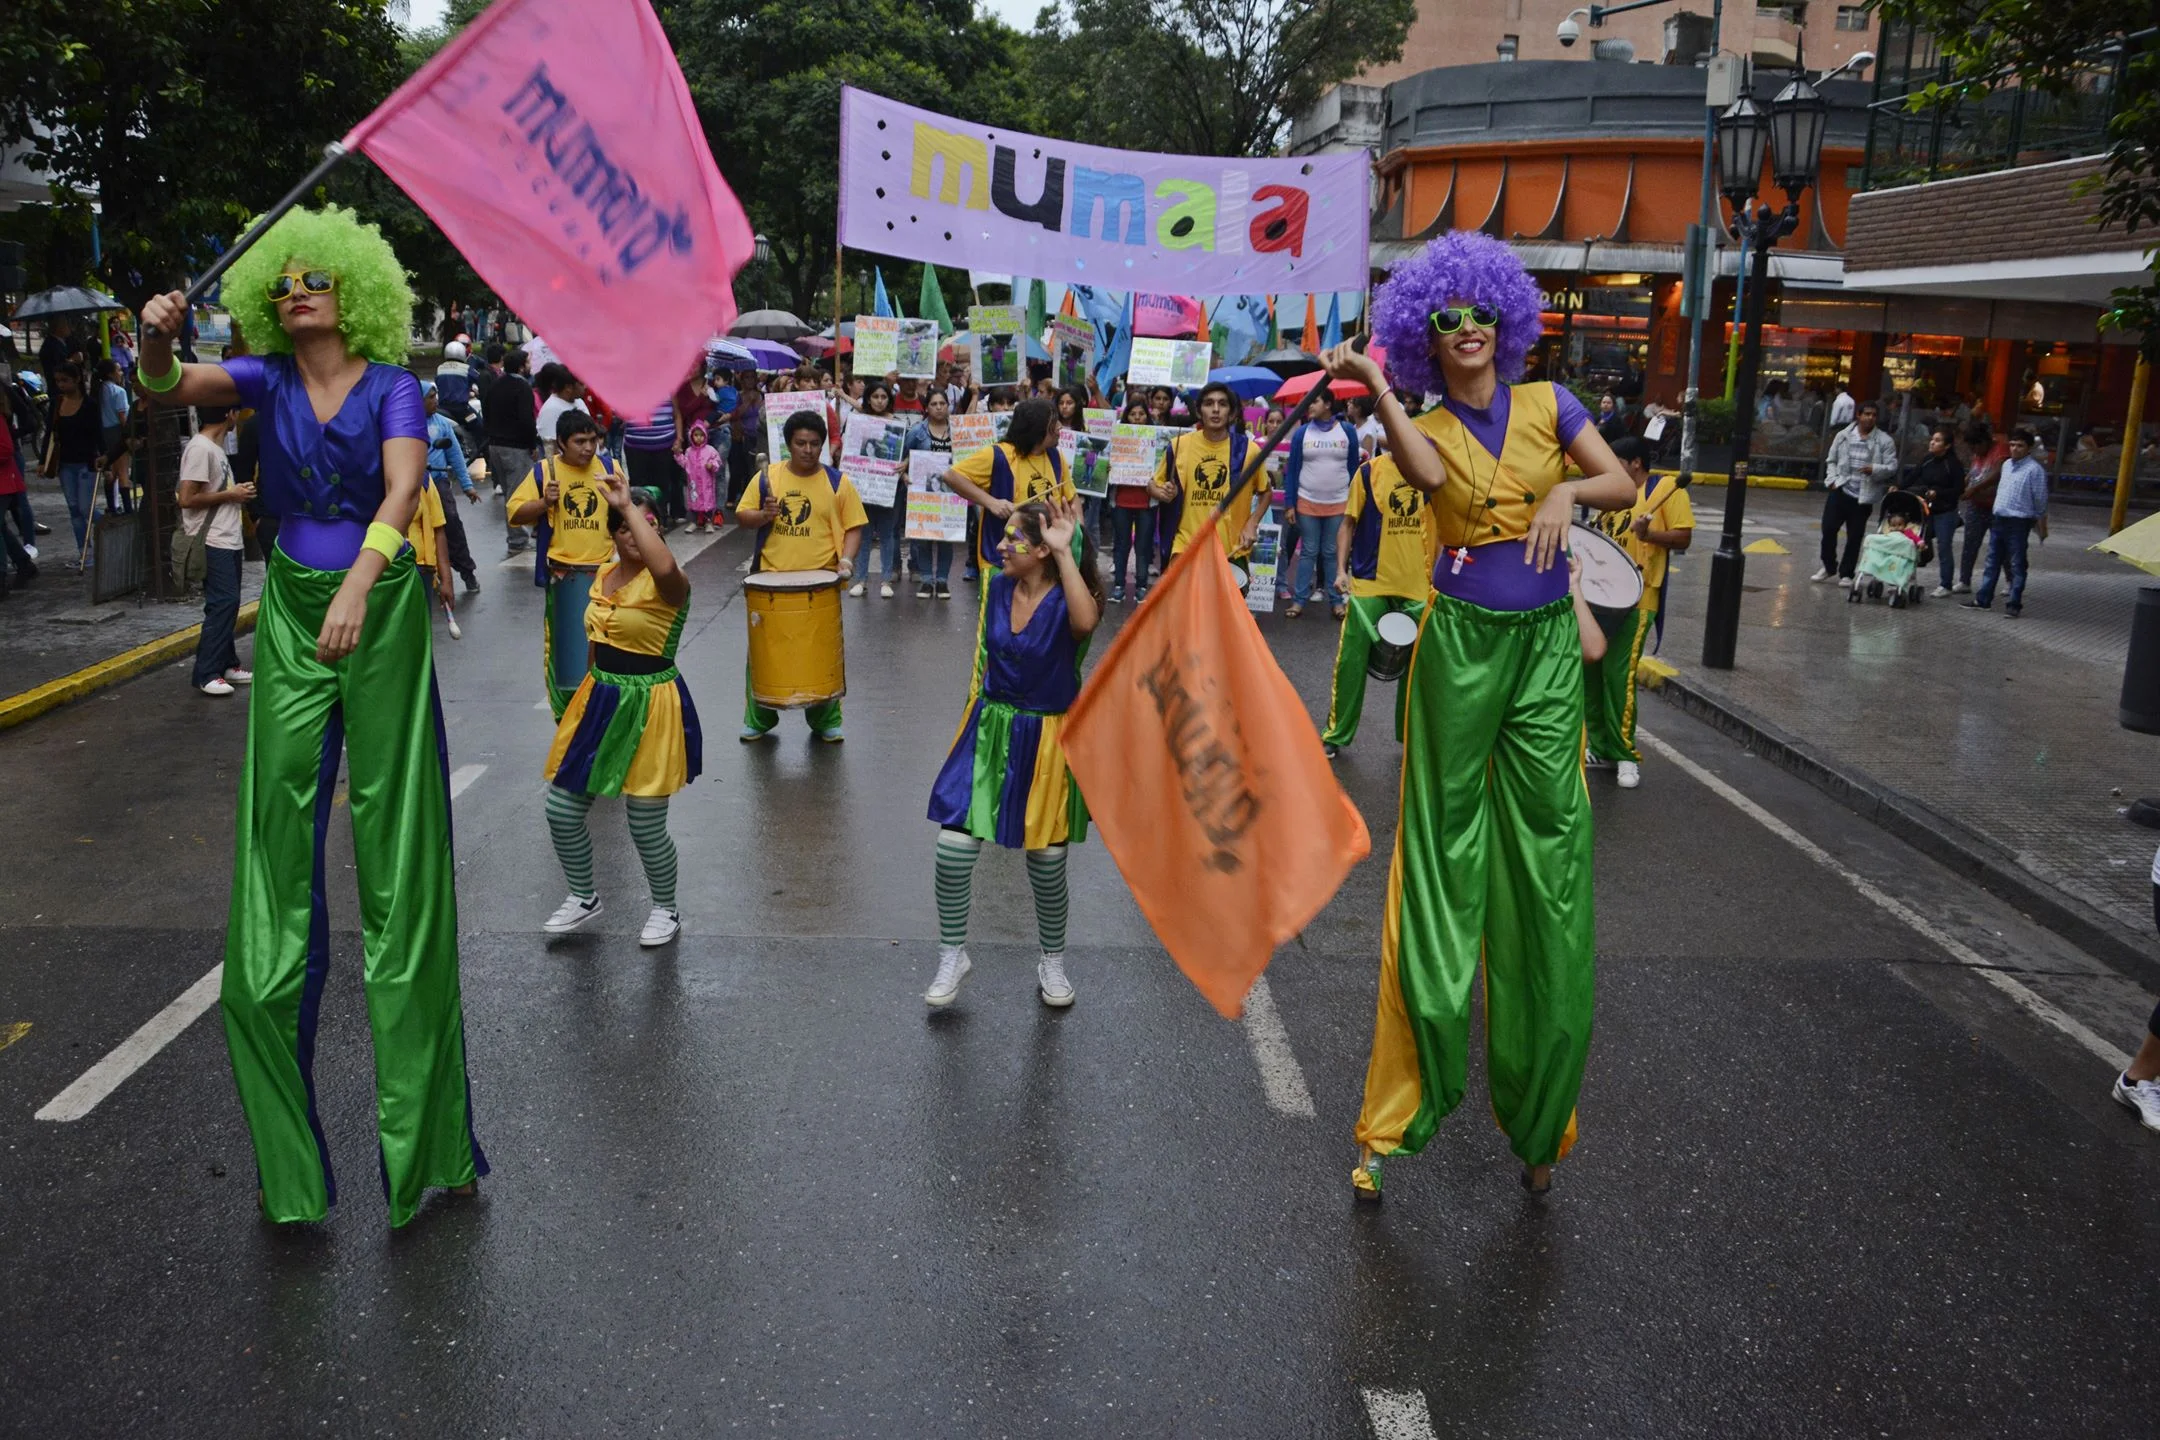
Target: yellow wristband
{"type": "Point", "coordinates": [159, 384]}
{"type": "Point", "coordinates": [383, 540]}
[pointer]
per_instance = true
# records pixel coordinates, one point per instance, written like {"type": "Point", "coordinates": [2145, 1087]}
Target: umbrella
{"type": "Point", "coordinates": [812, 345]}
{"type": "Point", "coordinates": [65, 300]}
{"type": "Point", "coordinates": [1289, 361]}
{"type": "Point", "coordinates": [2139, 544]}
{"type": "Point", "coordinates": [1297, 387]}
{"type": "Point", "coordinates": [719, 351]}
{"type": "Point", "coordinates": [769, 356]}
{"type": "Point", "coordinates": [770, 325]}
{"type": "Point", "coordinates": [1247, 382]}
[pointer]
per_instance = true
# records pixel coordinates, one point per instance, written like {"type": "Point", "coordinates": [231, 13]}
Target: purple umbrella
{"type": "Point", "coordinates": [770, 356]}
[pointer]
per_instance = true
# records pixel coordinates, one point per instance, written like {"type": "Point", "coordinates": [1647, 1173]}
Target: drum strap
{"type": "Point", "coordinates": [764, 480]}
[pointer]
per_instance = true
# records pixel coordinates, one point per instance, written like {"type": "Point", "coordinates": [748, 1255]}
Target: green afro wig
{"type": "Point", "coordinates": [374, 303]}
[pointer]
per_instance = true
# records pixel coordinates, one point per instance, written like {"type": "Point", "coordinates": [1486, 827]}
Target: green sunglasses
{"type": "Point", "coordinates": [1450, 319]}
{"type": "Point", "coordinates": [308, 282]}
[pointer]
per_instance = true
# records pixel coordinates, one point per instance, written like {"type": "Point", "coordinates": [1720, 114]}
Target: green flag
{"type": "Point", "coordinates": [932, 304]}
{"type": "Point", "coordinates": [1038, 309]}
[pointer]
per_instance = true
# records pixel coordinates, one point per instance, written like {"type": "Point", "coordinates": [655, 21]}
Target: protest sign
{"type": "Point", "coordinates": [971, 433]}
{"type": "Point", "coordinates": [877, 345]}
{"type": "Point", "coordinates": [933, 512]}
{"type": "Point", "coordinates": [1100, 421]}
{"type": "Point", "coordinates": [870, 456]}
{"type": "Point", "coordinates": [1087, 461]}
{"type": "Point", "coordinates": [1261, 565]}
{"type": "Point", "coordinates": [1072, 351]}
{"type": "Point", "coordinates": [1135, 451]}
{"type": "Point", "coordinates": [918, 349]}
{"type": "Point", "coordinates": [925, 186]}
{"type": "Point", "coordinates": [1180, 364]}
{"type": "Point", "coordinates": [1000, 356]}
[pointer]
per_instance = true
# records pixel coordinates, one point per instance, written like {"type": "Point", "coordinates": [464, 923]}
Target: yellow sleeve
{"type": "Point", "coordinates": [977, 467]}
{"type": "Point", "coordinates": [1678, 512]}
{"type": "Point", "coordinates": [527, 492]}
{"type": "Point", "coordinates": [1356, 504]}
{"type": "Point", "coordinates": [848, 506]}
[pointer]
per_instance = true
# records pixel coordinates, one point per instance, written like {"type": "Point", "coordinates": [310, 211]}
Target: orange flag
{"type": "Point", "coordinates": [1206, 778]}
{"type": "Point", "coordinates": [1311, 337]}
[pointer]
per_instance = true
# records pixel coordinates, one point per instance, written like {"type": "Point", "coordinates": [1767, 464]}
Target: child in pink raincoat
{"type": "Point", "coordinates": [701, 468]}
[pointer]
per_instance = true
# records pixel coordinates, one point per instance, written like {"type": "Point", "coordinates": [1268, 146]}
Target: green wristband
{"type": "Point", "coordinates": [159, 384]}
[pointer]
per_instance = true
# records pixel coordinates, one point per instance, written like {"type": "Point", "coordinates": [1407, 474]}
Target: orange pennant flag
{"type": "Point", "coordinates": [1207, 781]}
{"type": "Point", "coordinates": [1311, 338]}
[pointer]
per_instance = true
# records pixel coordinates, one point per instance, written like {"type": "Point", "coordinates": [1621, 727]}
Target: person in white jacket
{"type": "Point", "coordinates": [1861, 464]}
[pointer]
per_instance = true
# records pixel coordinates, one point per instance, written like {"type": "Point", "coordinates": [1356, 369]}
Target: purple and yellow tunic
{"type": "Point", "coordinates": [1005, 779]}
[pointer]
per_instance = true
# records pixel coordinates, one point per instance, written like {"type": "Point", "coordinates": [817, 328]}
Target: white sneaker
{"type": "Point", "coordinates": [1630, 774]}
{"type": "Point", "coordinates": [237, 676]}
{"type": "Point", "coordinates": [1822, 574]}
{"type": "Point", "coordinates": [856, 589]}
{"type": "Point", "coordinates": [215, 686]}
{"type": "Point", "coordinates": [1939, 591]}
{"type": "Point", "coordinates": [1963, 587]}
{"type": "Point", "coordinates": [1845, 582]}
{"type": "Point", "coordinates": [575, 912]}
{"type": "Point", "coordinates": [2142, 1096]}
{"type": "Point", "coordinates": [31, 551]}
{"type": "Point", "coordinates": [952, 968]}
{"type": "Point", "coordinates": [1051, 984]}
{"type": "Point", "coordinates": [885, 591]}
{"type": "Point", "coordinates": [1593, 761]}
{"type": "Point", "coordinates": [660, 927]}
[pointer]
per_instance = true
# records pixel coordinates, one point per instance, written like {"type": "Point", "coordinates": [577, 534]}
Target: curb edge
{"type": "Point", "coordinates": [17, 709]}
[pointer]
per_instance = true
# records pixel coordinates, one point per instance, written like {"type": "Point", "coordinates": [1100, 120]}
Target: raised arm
{"type": "Point", "coordinates": [1418, 460]}
{"type": "Point", "coordinates": [162, 318]}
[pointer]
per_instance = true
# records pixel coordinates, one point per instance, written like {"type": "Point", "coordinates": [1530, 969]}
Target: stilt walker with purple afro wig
{"type": "Point", "coordinates": [1493, 853]}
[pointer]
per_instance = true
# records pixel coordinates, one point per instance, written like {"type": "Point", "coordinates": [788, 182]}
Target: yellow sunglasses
{"type": "Point", "coordinates": [307, 282]}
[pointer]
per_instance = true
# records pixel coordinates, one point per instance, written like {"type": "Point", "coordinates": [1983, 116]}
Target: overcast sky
{"type": "Point", "coordinates": [1020, 14]}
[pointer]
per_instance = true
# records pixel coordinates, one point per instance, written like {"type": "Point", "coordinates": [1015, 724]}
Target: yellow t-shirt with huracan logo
{"type": "Point", "coordinates": [1204, 475]}
{"type": "Point", "coordinates": [811, 518]}
{"type": "Point", "coordinates": [1391, 533]}
{"type": "Point", "coordinates": [578, 518]}
{"type": "Point", "coordinates": [1672, 510]}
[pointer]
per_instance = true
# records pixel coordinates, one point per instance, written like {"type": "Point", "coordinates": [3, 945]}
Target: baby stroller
{"type": "Point", "coordinates": [1890, 557]}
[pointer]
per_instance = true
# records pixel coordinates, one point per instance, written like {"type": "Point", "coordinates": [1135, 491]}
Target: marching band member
{"type": "Point", "coordinates": [1657, 526]}
{"type": "Point", "coordinates": [567, 495]}
{"type": "Point", "coordinates": [1197, 471]}
{"type": "Point", "coordinates": [1383, 563]}
{"type": "Point", "coordinates": [1493, 851]}
{"type": "Point", "coordinates": [343, 664]}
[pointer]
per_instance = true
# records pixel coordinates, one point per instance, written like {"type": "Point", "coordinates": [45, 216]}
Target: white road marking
{"type": "Point", "coordinates": [2019, 993]}
{"type": "Point", "coordinates": [1280, 1076]}
{"type": "Point", "coordinates": [1399, 1414]}
{"type": "Point", "coordinates": [101, 1079]}
{"type": "Point", "coordinates": [540, 704]}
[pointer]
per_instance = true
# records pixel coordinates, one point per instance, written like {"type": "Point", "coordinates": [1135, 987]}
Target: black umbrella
{"type": "Point", "coordinates": [1289, 361]}
{"type": "Point", "coordinates": [769, 325]}
{"type": "Point", "coordinates": [65, 300]}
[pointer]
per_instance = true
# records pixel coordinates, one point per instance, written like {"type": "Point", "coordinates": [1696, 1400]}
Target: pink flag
{"type": "Point", "coordinates": [555, 144]}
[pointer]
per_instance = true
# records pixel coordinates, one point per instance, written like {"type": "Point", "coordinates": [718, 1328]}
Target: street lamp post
{"type": "Point", "coordinates": [761, 256]}
{"type": "Point", "coordinates": [1792, 131]}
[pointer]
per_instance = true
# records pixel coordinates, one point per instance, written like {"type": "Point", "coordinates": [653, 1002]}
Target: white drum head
{"type": "Point", "coordinates": [1610, 580]}
{"type": "Point", "coordinates": [791, 579]}
{"type": "Point", "coordinates": [1396, 628]}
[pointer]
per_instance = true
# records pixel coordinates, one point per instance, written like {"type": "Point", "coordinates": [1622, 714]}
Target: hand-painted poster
{"type": "Point", "coordinates": [933, 512]}
{"type": "Point", "coordinates": [1135, 451]}
{"type": "Point", "coordinates": [918, 350]}
{"type": "Point", "coordinates": [925, 186]}
{"type": "Point", "coordinates": [1180, 364]}
{"type": "Point", "coordinates": [1000, 353]}
{"type": "Point", "coordinates": [877, 345]}
{"type": "Point", "coordinates": [1072, 351]}
{"type": "Point", "coordinates": [971, 433]}
{"type": "Point", "coordinates": [870, 456]}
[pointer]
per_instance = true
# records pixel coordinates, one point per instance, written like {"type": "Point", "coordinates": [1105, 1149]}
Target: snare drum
{"type": "Point", "coordinates": [796, 658]}
{"type": "Point", "coordinates": [1243, 576]}
{"type": "Point", "coordinates": [1610, 579]}
{"type": "Point", "coordinates": [1389, 658]}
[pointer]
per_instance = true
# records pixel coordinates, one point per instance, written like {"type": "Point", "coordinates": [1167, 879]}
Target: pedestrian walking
{"type": "Point", "coordinates": [343, 659]}
{"type": "Point", "coordinates": [631, 729]}
{"type": "Point", "coordinates": [1384, 561]}
{"type": "Point", "coordinates": [208, 544]}
{"type": "Point", "coordinates": [513, 436]}
{"type": "Point", "coordinates": [1659, 525]}
{"type": "Point", "coordinates": [1863, 459]}
{"type": "Point", "coordinates": [1005, 779]}
{"type": "Point", "coordinates": [933, 558]}
{"type": "Point", "coordinates": [1198, 471]}
{"type": "Point", "coordinates": [2021, 505]}
{"type": "Point", "coordinates": [73, 444]}
{"type": "Point", "coordinates": [449, 479]}
{"type": "Point", "coordinates": [1493, 848]}
{"type": "Point", "coordinates": [1939, 479]}
{"type": "Point", "coordinates": [565, 497]}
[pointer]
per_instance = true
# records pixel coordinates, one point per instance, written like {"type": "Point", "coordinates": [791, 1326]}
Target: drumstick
{"type": "Point", "coordinates": [455, 633]}
{"type": "Point", "coordinates": [1254, 460]}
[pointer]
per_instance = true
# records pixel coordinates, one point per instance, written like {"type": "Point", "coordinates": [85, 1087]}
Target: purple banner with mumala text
{"type": "Point", "coordinates": [922, 186]}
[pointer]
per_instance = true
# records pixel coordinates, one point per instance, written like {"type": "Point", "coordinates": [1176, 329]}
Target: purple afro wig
{"type": "Point", "coordinates": [1464, 265]}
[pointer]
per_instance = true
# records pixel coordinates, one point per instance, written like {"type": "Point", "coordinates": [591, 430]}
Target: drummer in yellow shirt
{"type": "Point", "coordinates": [807, 517]}
{"type": "Point", "coordinates": [1198, 471]}
{"type": "Point", "coordinates": [566, 491]}
{"type": "Point", "coordinates": [1384, 559]}
{"type": "Point", "coordinates": [1660, 522]}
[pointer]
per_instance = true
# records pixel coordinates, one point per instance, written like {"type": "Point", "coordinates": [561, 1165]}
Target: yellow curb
{"type": "Point", "coordinates": [15, 709]}
{"type": "Point", "coordinates": [1765, 546]}
{"type": "Point", "coordinates": [1755, 482]}
{"type": "Point", "coordinates": [1653, 672]}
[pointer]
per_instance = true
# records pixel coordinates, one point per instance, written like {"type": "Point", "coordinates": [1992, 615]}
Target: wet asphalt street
{"type": "Point", "coordinates": [1849, 1163]}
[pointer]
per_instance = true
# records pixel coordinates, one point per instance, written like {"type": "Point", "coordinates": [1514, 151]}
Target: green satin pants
{"type": "Point", "coordinates": [1609, 689]}
{"type": "Point", "coordinates": [1492, 861]}
{"type": "Point", "coordinates": [1360, 632]}
{"type": "Point", "coordinates": [379, 708]}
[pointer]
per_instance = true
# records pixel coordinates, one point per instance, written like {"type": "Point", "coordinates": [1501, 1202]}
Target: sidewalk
{"type": "Point", "coordinates": [49, 629]}
{"type": "Point", "coordinates": [1989, 742]}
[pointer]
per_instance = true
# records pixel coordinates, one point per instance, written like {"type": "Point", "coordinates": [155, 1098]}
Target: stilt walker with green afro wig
{"type": "Point", "coordinates": [344, 669]}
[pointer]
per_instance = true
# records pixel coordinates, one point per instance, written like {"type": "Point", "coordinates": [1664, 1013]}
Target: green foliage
{"type": "Point", "coordinates": [2053, 49]}
{"type": "Point", "coordinates": [1203, 77]}
{"type": "Point", "coordinates": [1714, 420]}
{"type": "Point", "coordinates": [185, 116]}
{"type": "Point", "coordinates": [766, 77]}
